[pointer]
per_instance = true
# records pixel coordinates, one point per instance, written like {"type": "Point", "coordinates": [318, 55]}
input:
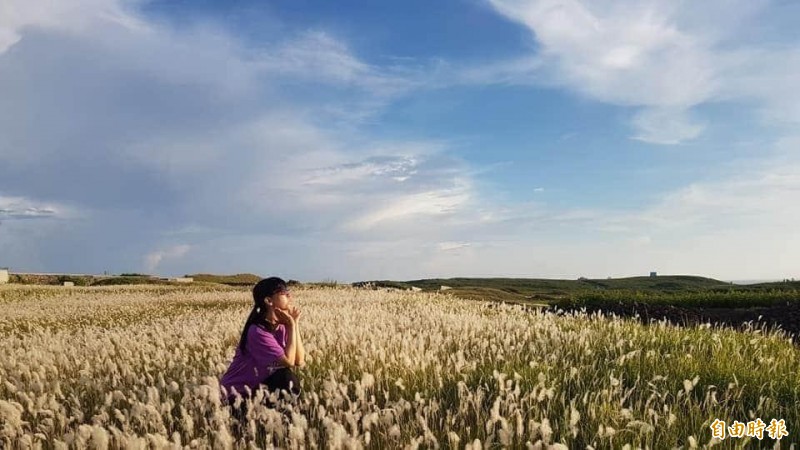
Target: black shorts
{"type": "Point", "coordinates": [283, 379]}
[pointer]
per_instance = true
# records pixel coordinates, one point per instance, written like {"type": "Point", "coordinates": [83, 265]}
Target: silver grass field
{"type": "Point", "coordinates": [138, 367]}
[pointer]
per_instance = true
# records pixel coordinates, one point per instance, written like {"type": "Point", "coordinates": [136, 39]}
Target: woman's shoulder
{"type": "Point", "coordinates": [263, 331]}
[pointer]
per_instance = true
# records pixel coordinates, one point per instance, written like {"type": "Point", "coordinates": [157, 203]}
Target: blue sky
{"type": "Point", "coordinates": [365, 140]}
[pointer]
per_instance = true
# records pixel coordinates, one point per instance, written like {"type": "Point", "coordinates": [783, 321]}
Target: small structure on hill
{"type": "Point", "coordinates": [4, 277]}
{"type": "Point", "coordinates": [416, 289]}
{"type": "Point", "coordinates": [653, 274]}
{"type": "Point", "coordinates": [182, 279]}
{"type": "Point", "coordinates": [444, 288]}
{"type": "Point", "coordinates": [69, 283]}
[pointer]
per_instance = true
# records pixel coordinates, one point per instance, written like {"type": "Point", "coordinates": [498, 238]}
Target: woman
{"type": "Point", "coordinates": [270, 345]}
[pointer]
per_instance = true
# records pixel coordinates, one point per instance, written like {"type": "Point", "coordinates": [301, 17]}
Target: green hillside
{"type": "Point", "coordinates": [545, 291]}
{"type": "Point", "coordinates": [240, 279]}
{"type": "Point", "coordinates": [126, 280]}
{"type": "Point", "coordinates": [530, 286]}
{"type": "Point", "coordinates": [771, 286]}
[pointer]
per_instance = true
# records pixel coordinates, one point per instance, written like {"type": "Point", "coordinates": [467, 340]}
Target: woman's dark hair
{"type": "Point", "coordinates": [258, 315]}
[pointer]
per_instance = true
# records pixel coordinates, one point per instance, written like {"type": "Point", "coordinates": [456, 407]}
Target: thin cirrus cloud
{"type": "Point", "coordinates": [743, 223]}
{"type": "Point", "coordinates": [22, 208]}
{"type": "Point", "coordinates": [406, 209]}
{"type": "Point", "coordinates": [318, 56]}
{"type": "Point", "coordinates": [398, 168]}
{"type": "Point", "coordinates": [742, 201]}
{"type": "Point", "coordinates": [666, 126]}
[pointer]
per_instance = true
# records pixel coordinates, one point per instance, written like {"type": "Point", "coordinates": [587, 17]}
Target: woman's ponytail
{"type": "Point", "coordinates": [251, 319]}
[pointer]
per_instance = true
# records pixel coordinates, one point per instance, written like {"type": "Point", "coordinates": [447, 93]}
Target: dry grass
{"type": "Point", "coordinates": [137, 367]}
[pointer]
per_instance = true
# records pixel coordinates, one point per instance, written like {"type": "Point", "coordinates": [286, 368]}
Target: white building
{"type": "Point", "coordinates": [182, 279]}
{"type": "Point", "coordinates": [3, 276]}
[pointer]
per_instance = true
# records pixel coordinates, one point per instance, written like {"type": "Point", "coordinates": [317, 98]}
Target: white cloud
{"type": "Point", "coordinates": [154, 258]}
{"type": "Point", "coordinates": [452, 246]}
{"type": "Point", "coordinates": [661, 56]}
{"type": "Point", "coordinates": [326, 178]}
{"type": "Point", "coordinates": [74, 16]}
{"type": "Point", "coordinates": [622, 52]}
{"type": "Point", "coordinates": [188, 135]}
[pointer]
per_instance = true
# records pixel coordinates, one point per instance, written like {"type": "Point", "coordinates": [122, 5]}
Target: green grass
{"type": "Point", "coordinates": [678, 290]}
{"type": "Point", "coordinates": [560, 288]}
{"type": "Point", "coordinates": [117, 281]}
{"type": "Point", "coordinates": [500, 295]}
{"type": "Point", "coordinates": [79, 280]}
{"type": "Point", "coordinates": [707, 299]}
{"type": "Point", "coordinates": [776, 285]}
{"type": "Point", "coordinates": [240, 279]}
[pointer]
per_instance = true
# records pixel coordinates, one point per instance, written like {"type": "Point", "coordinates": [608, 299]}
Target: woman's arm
{"type": "Point", "coordinates": [291, 344]}
{"type": "Point", "coordinates": [290, 351]}
{"type": "Point", "coordinates": [300, 357]}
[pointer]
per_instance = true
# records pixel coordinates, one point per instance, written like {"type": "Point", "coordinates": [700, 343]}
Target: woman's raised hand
{"type": "Point", "coordinates": [295, 313]}
{"type": "Point", "coordinates": [283, 317]}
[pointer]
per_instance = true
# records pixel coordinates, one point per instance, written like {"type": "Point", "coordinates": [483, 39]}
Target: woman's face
{"type": "Point", "coordinates": [281, 300]}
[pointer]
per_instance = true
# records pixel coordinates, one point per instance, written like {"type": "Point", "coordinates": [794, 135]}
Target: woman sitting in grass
{"type": "Point", "coordinates": [270, 345]}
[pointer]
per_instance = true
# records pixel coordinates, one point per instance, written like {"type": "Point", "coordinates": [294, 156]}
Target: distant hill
{"type": "Point", "coordinates": [130, 279]}
{"type": "Point", "coordinates": [240, 279]}
{"type": "Point", "coordinates": [772, 285]}
{"type": "Point", "coordinates": [527, 290]}
{"type": "Point", "coordinates": [555, 287]}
